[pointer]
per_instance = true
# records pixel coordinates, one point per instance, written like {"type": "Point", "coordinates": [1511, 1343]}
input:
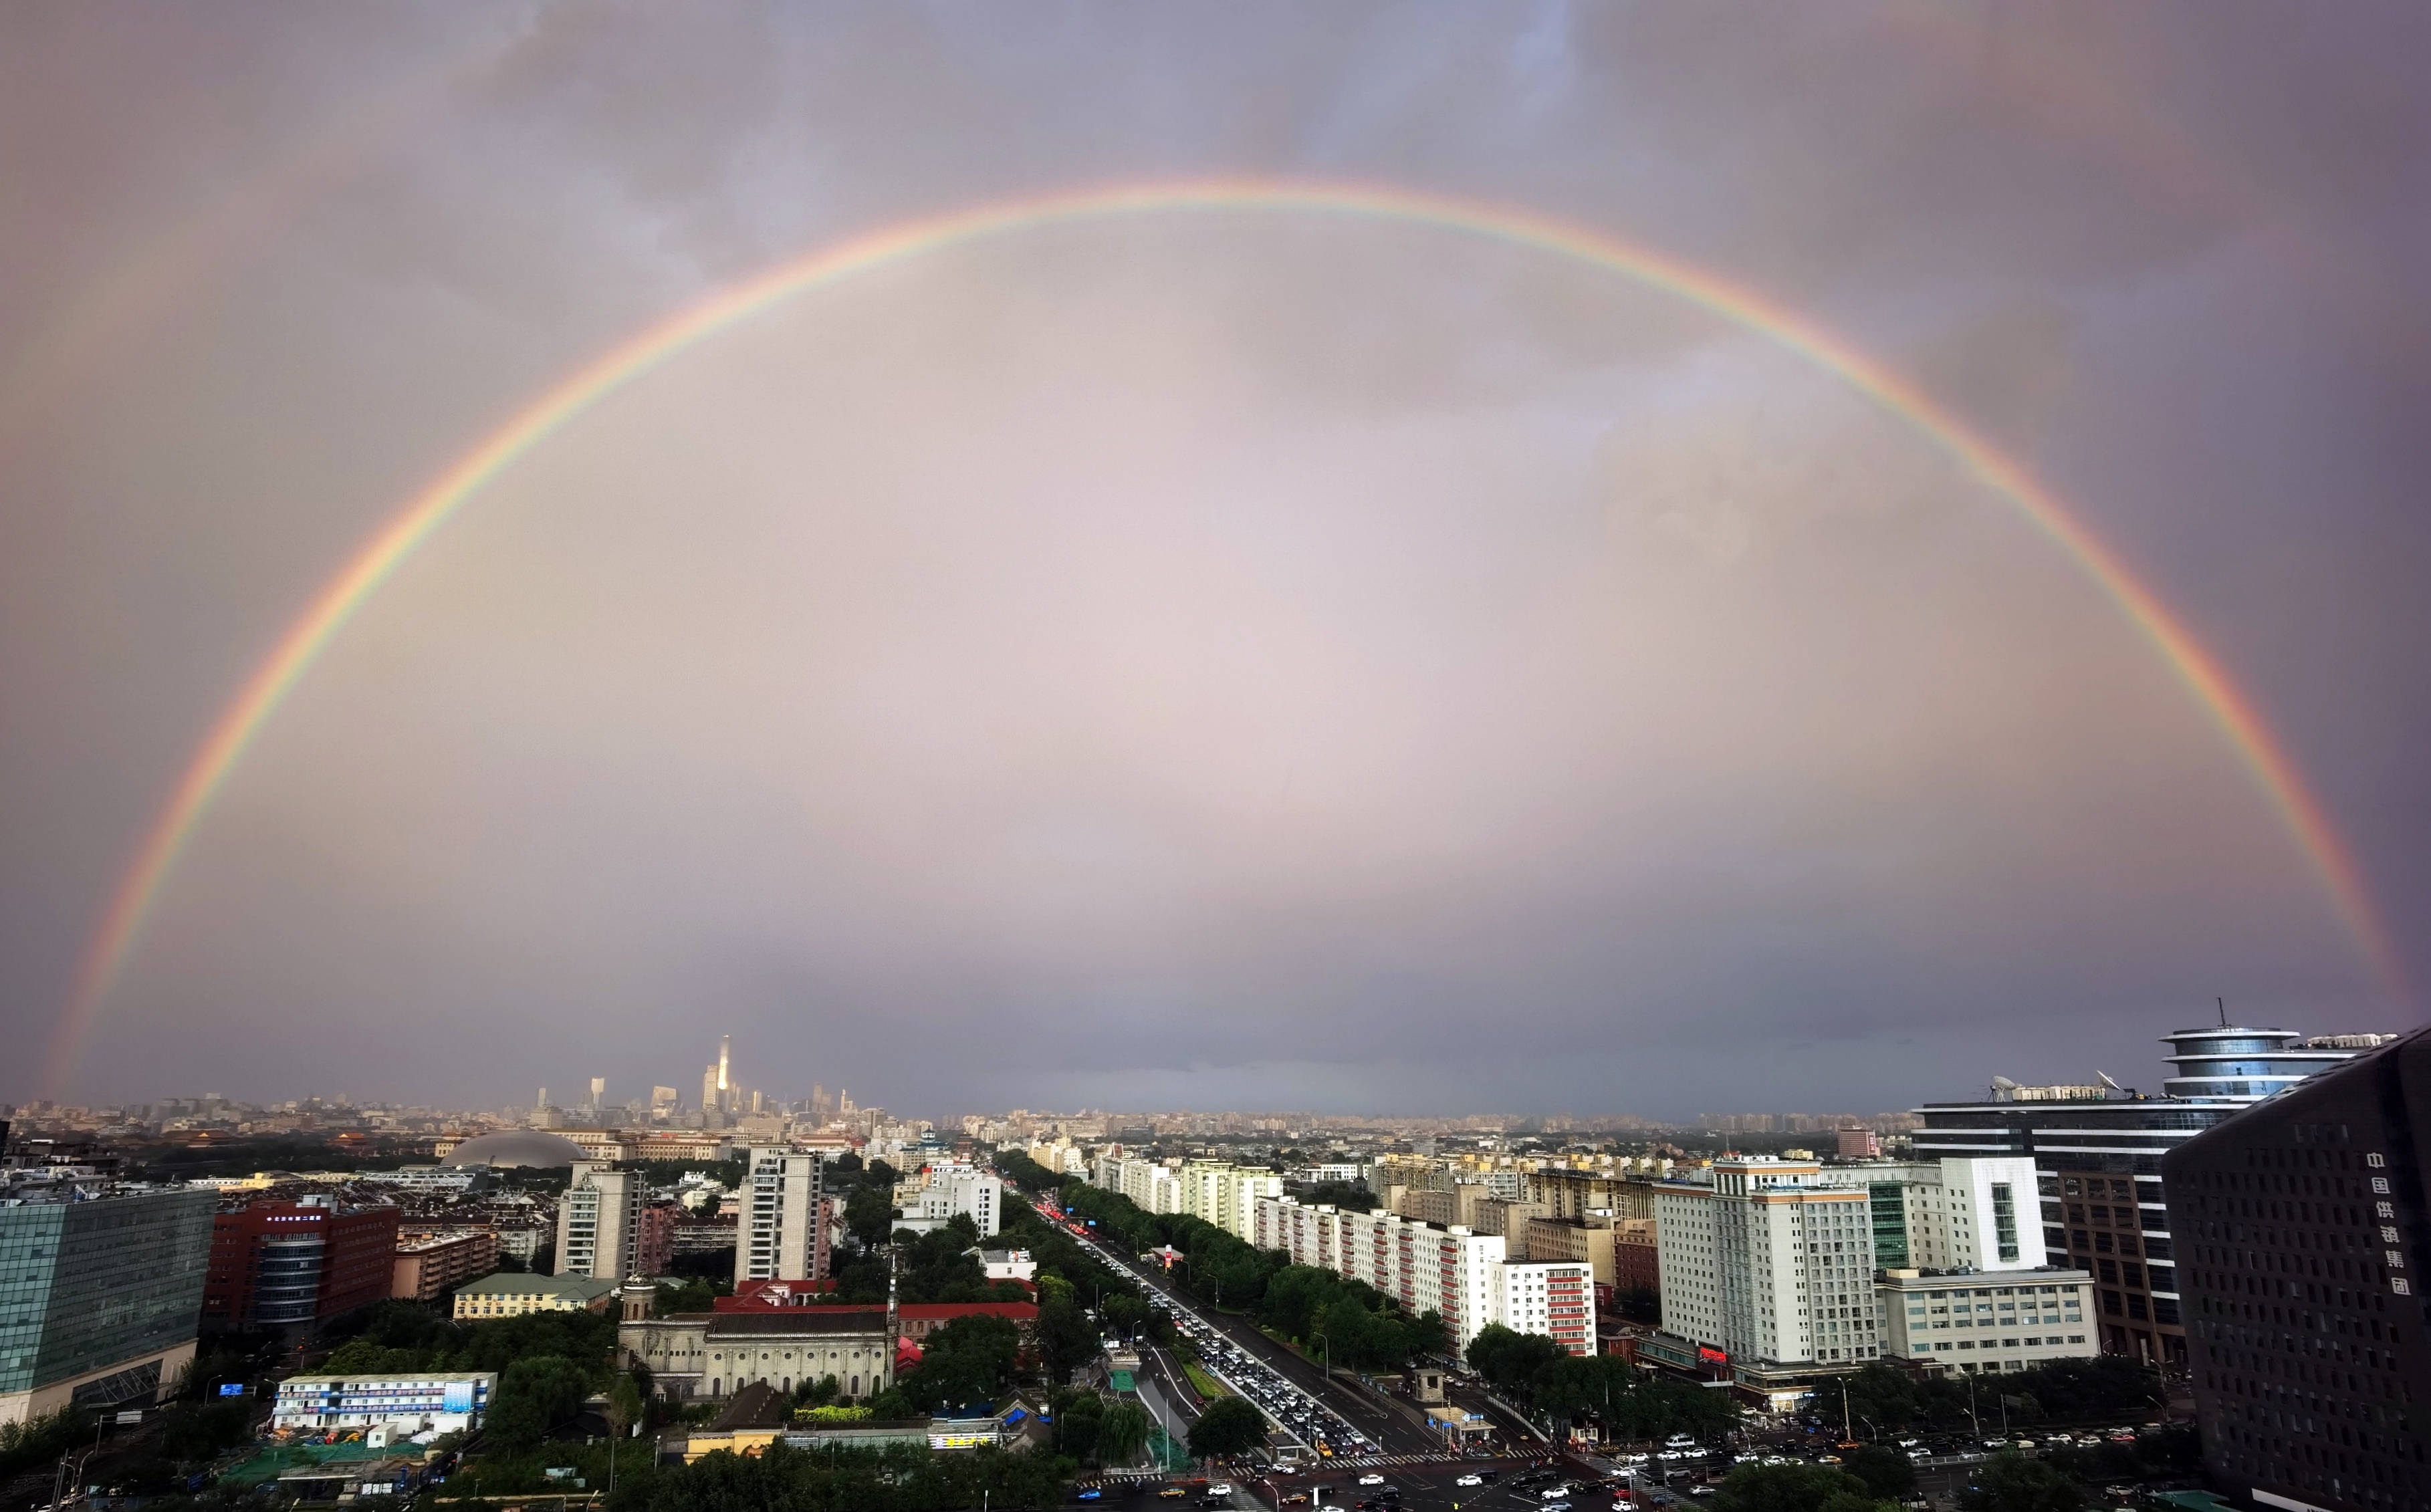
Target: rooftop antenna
{"type": "Point", "coordinates": [2223, 1012]}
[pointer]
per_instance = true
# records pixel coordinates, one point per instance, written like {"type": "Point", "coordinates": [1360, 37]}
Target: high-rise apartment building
{"type": "Point", "coordinates": [100, 1297]}
{"type": "Point", "coordinates": [2098, 1150]}
{"type": "Point", "coordinates": [783, 1229]}
{"type": "Point", "coordinates": [1470, 1279]}
{"type": "Point", "coordinates": [599, 1222]}
{"type": "Point", "coordinates": [1213, 1191]}
{"type": "Point", "coordinates": [293, 1264]}
{"type": "Point", "coordinates": [1768, 1263]}
{"type": "Point", "coordinates": [2302, 1231]}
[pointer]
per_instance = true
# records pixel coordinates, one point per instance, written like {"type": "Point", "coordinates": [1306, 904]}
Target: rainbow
{"type": "Point", "coordinates": [405, 532]}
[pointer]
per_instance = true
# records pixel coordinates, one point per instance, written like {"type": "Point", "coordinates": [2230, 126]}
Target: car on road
{"type": "Point", "coordinates": [1087, 1493]}
{"type": "Point", "coordinates": [1371, 1478]}
{"type": "Point", "coordinates": [1472, 1478]}
{"type": "Point", "coordinates": [1172, 1493]}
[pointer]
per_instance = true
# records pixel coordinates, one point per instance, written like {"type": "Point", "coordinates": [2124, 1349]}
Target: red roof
{"type": "Point", "coordinates": [1018, 1311]}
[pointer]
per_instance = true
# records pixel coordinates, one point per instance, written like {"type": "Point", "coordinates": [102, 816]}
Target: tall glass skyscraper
{"type": "Point", "coordinates": [100, 1297]}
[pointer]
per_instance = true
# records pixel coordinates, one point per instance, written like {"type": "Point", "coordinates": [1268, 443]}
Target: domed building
{"type": "Point", "coordinates": [516, 1147]}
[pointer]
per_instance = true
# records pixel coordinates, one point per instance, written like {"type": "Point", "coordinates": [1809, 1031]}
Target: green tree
{"type": "Point", "coordinates": [1296, 1296]}
{"type": "Point", "coordinates": [870, 1217]}
{"type": "Point", "coordinates": [1887, 1472]}
{"type": "Point", "coordinates": [1065, 1339]}
{"type": "Point", "coordinates": [1123, 1434]}
{"type": "Point", "coordinates": [1881, 1395]}
{"type": "Point", "coordinates": [1079, 1424]}
{"type": "Point", "coordinates": [623, 1404]}
{"type": "Point", "coordinates": [1598, 1384]}
{"type": "Point", "coordinates": [1426, 1334]}
{"type": "Point", "coordinates": [1229, 1426]}
{"type": "Point", "coordinates": [2010, 1482]}
{"type": "Point", "coordinates": [968, 1360]}
{"type": "Point", "coordinates": [893, 1403]}
{"type": "Point", "coordinates": [1025, 1173]}
{"type": "Point", "coordinates": [1658, 1410]}
{"type": "Point", "coordinates": [534, 1396]}
{"type": "Point", "coordinates": [1510, 1361]}
{"type": "Point", "coordinates": [1786, 1489]}
{"type": "Point", "coordinates": [360, 1356]}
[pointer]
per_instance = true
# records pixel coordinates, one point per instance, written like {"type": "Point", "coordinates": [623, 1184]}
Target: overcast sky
{"type": "Point", "coordinates": [1251, 660]}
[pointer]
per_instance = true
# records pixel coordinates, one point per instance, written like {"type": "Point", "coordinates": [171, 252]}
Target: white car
{"type": "Point", "coordinates": [1472, 1478]}
{"type": "Point", "coordinates": [1371, 1478]}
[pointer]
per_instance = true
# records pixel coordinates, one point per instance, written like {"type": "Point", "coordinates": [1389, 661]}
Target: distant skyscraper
{"type": "Point", "coordinates": [709, 1095]}
{"type": "Point", "coordinates": [725, 1083]}
{"type": "Point", "coordinates": [599, 1091]}
{"type": "Point", "coordinates": [541, 1100]}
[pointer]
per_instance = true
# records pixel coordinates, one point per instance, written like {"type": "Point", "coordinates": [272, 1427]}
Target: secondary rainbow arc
{"type": "Point", "coordinates": [2265, 759]}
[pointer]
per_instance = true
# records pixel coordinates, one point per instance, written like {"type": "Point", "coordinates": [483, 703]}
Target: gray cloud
{"type": "Point", "coordinates": [1252, 660]}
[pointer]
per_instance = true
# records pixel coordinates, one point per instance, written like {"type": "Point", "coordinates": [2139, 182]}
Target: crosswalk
{"type": "Point", "coordinates": [1377, 1461]}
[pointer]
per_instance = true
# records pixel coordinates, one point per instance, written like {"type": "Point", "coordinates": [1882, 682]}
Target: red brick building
{"type": "Point", "coordinates": [293, 1264]}
{"type": "Point", "coordinates": [655, 1238]}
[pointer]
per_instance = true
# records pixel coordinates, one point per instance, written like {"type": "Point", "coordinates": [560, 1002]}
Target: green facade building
{"type": "Point", "coordinates": [100, 1296]}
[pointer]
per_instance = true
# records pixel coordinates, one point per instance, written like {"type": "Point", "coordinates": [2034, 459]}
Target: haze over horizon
{"type": "Point", "coordinates": [1250, 657]}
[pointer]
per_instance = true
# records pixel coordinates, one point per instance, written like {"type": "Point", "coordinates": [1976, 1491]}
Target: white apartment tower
{"type": "Point", "coordinates": [783, 1227]}
{"type": "Point", "coordinates": [1768, 1263]}
{"type": "Point", "coordinates": [599, 1222]}
{"type": "Point", "coordinates": [1466, 1277]}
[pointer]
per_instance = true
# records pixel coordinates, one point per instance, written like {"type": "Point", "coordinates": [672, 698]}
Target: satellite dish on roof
{"type": "Point", "coordinates": [2108, 1082]}
{"type": "Point", "coordinates": [2004, 1084]}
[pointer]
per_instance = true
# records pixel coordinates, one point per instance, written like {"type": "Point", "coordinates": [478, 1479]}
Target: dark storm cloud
{"type": "Point", "coordinates": [1244, 662]}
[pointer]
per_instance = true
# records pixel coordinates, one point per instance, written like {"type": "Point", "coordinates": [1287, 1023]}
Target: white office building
{"type": "Point", "coordinates": [956, 1190]}
{"type": "Point", "coordinates": [1981, 1322]}
{"type": "Point", "coordinates": [1768, 1263]}
{"type": "Point", "coordinates": [599, 1222]}
{"type": "Point", "coordinates": [782, 1225]}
